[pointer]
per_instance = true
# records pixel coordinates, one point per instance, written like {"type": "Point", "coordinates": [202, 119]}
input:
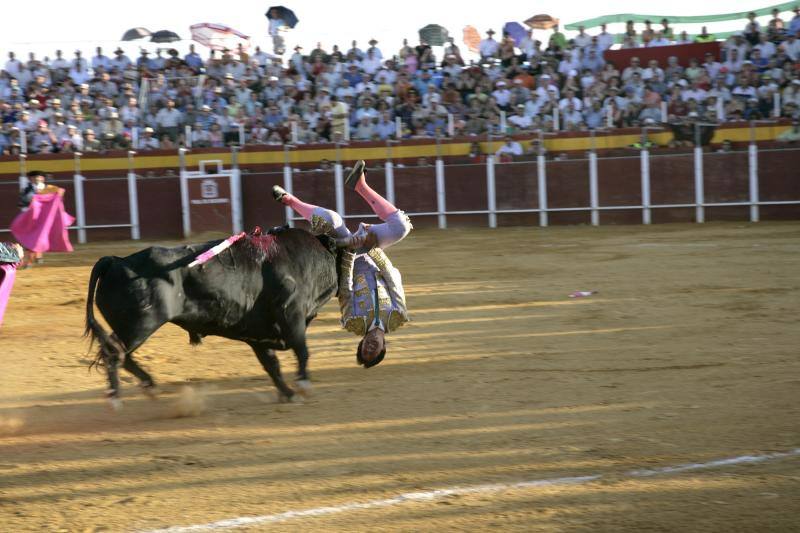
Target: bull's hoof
{"type": "Point", "coordinates": [150, 390]}
{"type": "Point", "coordinates": [115, 404]}
{"type": "Point", "coordinates": [303, 387]}
{"type": "Point", "coordinates": [295, 399]}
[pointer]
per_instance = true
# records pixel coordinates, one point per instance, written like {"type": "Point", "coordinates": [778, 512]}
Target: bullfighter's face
{"type": "Point", "coordinates": [373, 345]}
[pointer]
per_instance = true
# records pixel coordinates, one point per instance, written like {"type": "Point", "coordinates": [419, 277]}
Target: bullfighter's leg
{"type": "Point", "coordinates": [396, 225]}
{"type": "Point", "coordinates": [322, 220]}
{"type": "Point", "coordinates": [357, 181]}
{"type": "Point", "coordinates": [269, 361]}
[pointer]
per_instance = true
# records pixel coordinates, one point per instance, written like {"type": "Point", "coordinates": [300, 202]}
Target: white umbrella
{"type": "Point", "coordinates": [219, 36]}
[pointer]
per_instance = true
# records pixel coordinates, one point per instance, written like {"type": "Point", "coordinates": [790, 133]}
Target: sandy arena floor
{"type": "Point", "coordinates": [688, 354]}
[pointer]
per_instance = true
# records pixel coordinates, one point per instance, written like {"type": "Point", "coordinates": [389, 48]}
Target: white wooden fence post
{"type": "Point", "coordinates": [491, 198]}
{"type": "Point", "coordinates": [133, 198]}
{"type": "Point", "coordinates": [699, 186]}
{"type": "Point", "coordinates": [287, 185]}
{"type": "Point", "coordinates": [441, 206]}
{"type": "Point", "coordinates": [80, 208]}
{"type": "Point", "coordinates": [185, 215]}
{"type": "Point", "coordinates": [645, 159]}
{"type": "Point", "coordinates": [542, 182]}
{"type": "Point", "coordinates": [594, 196]}
{"type": "Point", "coordinates": [390, 182]}
{"type": "Point", "coordinates": [752, 160]}
{"type": "Point", "coordinates": [338, 180]}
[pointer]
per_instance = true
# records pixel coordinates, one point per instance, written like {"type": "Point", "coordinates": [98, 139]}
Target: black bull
{"type": "Point", "coordinates": [263, 290]}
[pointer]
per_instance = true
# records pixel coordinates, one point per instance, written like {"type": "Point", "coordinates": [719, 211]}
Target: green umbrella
{"type": "Point", "coordinates": [434, 35]}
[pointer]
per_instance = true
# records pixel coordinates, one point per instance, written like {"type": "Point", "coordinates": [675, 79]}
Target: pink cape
{"type": "Point", "coordinates": [8, 272]}
{"type": "Point", "coordinates": [43, 227]}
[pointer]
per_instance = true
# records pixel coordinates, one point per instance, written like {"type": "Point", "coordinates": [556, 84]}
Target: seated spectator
{"type": "Point", "coordinates": [90, 142]}
{"type": "Point", "coordinates": [519, 120]}
{"type": "Point", "coordinates": [509, 149]}
{"type": "Point", "coordinates": [148, 141]}
{"type": "Point", "coordinates": [593, 116]}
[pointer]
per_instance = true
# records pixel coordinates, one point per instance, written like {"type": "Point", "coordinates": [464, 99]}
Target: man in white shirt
{"type": "Point", "coordinates": [791, 46]}
{"type": "Point", "coordinates": [502, 95]}
{"type": "Point", "coordinates": [130, 111]}
{"type": "Point", "coordinates": [582, 40]}
{"type": "Point", "coordinates": [660, 40]}
{"type": "Point", "coordinates": [572, 119]}
{"type": "Point", "coordinates": [371, 64]}
{"type": "Point", "coordinates": [79, 63]}
{"type": "Point", "coordinates": [653, 71]}
{"type": "Point", "coordinates": [376, 52]}
{"type": "Point", "coordinates": [13, 65]}
{"type": "Point", "coordinates": [695, 92]}
{"type": "Point", "coordinates": [59, 63]}
{"type": "Point", "coordinates": [509, 149]}
{"type": "Point", "coordinates": [488, 47]}
{"type": "Point", "coordinates": [711, 65]}
{"type": "Point", "coordinates": [120, 61]}
{"type": "Point", "coordinates": [147, 141]}
{"type": "Point", "coordinates": [101, 61]}
{"type": "Point", "coordinates": [168, 120]}
{"type": "Point", "coordinates": [766, 46]}
{"type": "Point", "coordinates": [520, 119]}
{"type": "Point", "coordinates": [570, 99]}
{"type": "Point", "coordinates": [528, 46]}
{"type": "Point", "coordinates": [261, 56]}
{"type": "Point", "coordinates": [627, 74]}
{"type": "Point", "coordinates": [78, 72]}
{"type": "Point", "coordinates": [385, 127]}
{"type": "Point", "coordinates": [605, 40]}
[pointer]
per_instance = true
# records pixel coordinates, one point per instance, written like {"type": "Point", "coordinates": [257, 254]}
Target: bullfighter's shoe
{"type": "Point", "coordinates": [355, 174]}
{"type": "Point", "coordinates": [278, 192]}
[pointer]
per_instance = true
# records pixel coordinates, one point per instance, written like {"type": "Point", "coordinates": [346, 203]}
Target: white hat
{"type": "Point", "coordinates": [501, 83]}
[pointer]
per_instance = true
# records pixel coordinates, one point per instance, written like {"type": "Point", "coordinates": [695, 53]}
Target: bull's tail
{"type": "Point", "coordinates": [93, 329]}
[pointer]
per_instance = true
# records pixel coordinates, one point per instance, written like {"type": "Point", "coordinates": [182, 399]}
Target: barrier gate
{"type": "Point", "coordinates": [211, 200]}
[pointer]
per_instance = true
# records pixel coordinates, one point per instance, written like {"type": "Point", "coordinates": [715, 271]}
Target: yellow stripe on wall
{"type": "Point", "coordinates": [144, 162]}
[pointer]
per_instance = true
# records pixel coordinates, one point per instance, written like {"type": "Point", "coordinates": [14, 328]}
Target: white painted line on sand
{"type": "Point", "coordinates": [457, 491]}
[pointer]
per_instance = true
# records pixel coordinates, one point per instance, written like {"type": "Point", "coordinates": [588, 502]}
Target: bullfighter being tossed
{"type": "Point", "coordinates": [371, 296]}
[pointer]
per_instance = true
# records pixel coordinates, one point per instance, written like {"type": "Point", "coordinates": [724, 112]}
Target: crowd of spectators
{"type": "Point", "coordinates": [156, 101]}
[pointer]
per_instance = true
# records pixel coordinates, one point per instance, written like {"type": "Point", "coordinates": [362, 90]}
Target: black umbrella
{"type": "Point", "coordinates": [283, 13]}
{"type": "Point", "coordinates": [164, 36]}
{"type": "Point", "coordinates": [434, 35]}
{"type": "Point", "coordinates": [135, 33]}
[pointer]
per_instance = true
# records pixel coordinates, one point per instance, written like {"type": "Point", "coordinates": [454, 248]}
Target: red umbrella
{"type": "Point", "coordinates": [542, 22]}
{"type": "Point", "coordinates": [218, 36]}
{"type": "Point", "coordinates": [472, 38]}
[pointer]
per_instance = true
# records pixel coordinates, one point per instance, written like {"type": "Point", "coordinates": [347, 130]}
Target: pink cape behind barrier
{"type": "Point", "coordinates": [43, 227]}
{"type": "Point", "coordinates": [8, 272]}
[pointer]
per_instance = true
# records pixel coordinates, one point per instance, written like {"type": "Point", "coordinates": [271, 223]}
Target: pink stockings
{"type": "Point", "coordinates": [380, 205]}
